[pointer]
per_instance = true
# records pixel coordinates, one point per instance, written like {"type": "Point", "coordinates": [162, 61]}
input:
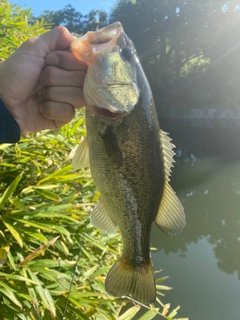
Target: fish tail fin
{"type": "Point", "coordinates": [126, 279]}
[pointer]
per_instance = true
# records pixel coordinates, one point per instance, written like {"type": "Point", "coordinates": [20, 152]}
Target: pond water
{"type": "Point", "coordinates": [203, 262]}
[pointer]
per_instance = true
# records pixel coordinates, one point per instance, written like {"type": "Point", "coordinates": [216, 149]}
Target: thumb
{"type": "Point", "coordinates": [58, 38]}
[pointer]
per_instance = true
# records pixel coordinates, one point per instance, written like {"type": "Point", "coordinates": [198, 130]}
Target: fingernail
{"type": "Point", "coordinates": [52, 59]}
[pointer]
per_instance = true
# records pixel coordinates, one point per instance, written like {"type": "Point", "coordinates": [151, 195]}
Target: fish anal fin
{"type": "Point", "coordinates": [171, 217]}
{"type": "Point", "coordinates": [101, 219]}
{"type": "Point", "coordinates": [80, 155]}
{"type": "Point", "coordinates": [125, 279]}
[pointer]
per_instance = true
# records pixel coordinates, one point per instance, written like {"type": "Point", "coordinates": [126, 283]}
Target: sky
{"type": "Point", "coordinates": [83, 6]}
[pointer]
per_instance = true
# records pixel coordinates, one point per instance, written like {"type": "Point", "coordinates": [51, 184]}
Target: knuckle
{"type": "Point", "coordinates": [61, 30]}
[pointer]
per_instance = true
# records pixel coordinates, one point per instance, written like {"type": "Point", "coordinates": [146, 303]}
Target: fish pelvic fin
{"type": "Point", "coordinates": [80, 155]}
{"type": "Point", "coordinates": [101, 219]}
{"type": "Point", "coordinates": [125, 279]}
{"type": "Point", "coordinates": [170, 217]}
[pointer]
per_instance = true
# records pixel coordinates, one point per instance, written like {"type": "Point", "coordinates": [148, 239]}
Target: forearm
{"type": "Point", "coordinates": [9, 129]}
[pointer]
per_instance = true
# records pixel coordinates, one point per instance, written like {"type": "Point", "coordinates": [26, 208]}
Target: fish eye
{"type": "Point", "coordinates": [126, 53]}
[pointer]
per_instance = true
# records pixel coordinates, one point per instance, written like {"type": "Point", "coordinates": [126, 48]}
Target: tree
{"type": "Point", "coordinates": [179, 43]}
{"type": "Point", "coordinates": [67, 17]}
{"type": "Point", "coordinates": [74, 20]}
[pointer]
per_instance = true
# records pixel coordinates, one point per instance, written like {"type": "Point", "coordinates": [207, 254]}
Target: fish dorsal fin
{"type": "Point", "coordinates": [171, 217]}
{"type": "Point", "coordinates": [101, 219]}
{"type": "Point", "coordinates": [80, 155]}
{"type": "Point", "coordinates": [168, 153]}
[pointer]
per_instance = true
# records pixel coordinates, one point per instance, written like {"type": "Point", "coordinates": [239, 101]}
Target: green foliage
{"type": "Point", "coordinates": [45, 234]}
{"type": "Point", "coordinates": [15, 27]}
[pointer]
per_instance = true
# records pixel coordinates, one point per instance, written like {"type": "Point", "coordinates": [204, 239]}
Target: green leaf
{"type": "Point", "coordinates": [11, 261]}
{"type": "Point", "coordinates": [43, 226]}
{"type": "Point", "coordinates": [8, 192]}
{"type": "Point", "coordinates": [5, 289]}
{"type": "Point", "coordinates": [18, 204]}
{"type": "Point", "coordinates": [44, 294]}
{"type": "Point", "coordinates": [48, 263]}
{"type": "Point", "coordinates": [4, 250]}
{"type": "Point", "coordinates": [39, 251]}
{"type": "Point", "coordinates": [48, 194]}
{"type": "Point", "coordinates": [130, 313]}
{"type": "Point", "coordinates": [33, 295]}
{"type": "Point", "coordinates": [8, 223]}
{"type": "Point", "coordinates": [47, 300]}
{"type": "Point", "coordinates": [75, 126]}
{"type": "Point", "coordinates": [173, 312]}
{"type": "Point", "coordinates": [15, 277]}
{"type": "Point", "coordinates": [149, 314]}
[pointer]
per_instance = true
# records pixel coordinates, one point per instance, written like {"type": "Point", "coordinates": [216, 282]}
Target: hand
{"type": "Point", "coordinates": [41, 83]}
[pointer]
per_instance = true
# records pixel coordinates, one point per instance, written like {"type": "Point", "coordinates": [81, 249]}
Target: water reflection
{"type": "Point", "coordinates": [201, 259]}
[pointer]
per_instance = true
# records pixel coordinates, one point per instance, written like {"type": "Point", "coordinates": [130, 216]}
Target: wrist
{"type": "Point", "coordinates": [9, 129]}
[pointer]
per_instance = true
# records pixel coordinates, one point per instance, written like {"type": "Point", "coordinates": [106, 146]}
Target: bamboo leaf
{"type": "Point", "coordinates": [4, 250]}
{"type": "Point", "coordinates": [5, 289]}
{"type": "Point", "coordinates": [8, 192]}
{"type": "Point", "coordinates": [15, 277]}
{"type": "Point", "coordinates": [18, 204]}
{"type": "Point", "coordinates": [39, 251]}
{"type": "Point", "coordinates": [8, 223]}
{"type": "Point", "coordinates": [34, 298]}
{"type": "Point", "coordinates": [11, 261]}
{"type": "Point", "coordinates": [166, 309]}
{"type": "Point", "coordinates": [173, 312]}
{"type": "Point", "coordinates": [76, 125]}
{"type": "Point", "coordinates": [48, 194]}
{"type": "Point", "coordinates": [149, 314]}
{"type": "Point", "coordinates": [130, 313]}
{"type": "Point", "coordinates": [44, 294]}
{"type": "Point", "coordinates": [47, 300]}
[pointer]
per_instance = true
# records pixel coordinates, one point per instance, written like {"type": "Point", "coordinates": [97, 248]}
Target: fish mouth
{"type": "Point", "coordinates": [105, 113]}
{"type": "Point", "coordinates": [117, 84]}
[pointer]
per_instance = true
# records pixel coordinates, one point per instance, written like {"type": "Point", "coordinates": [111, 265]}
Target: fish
{"type": "Point", "coordinates": [130, 158]}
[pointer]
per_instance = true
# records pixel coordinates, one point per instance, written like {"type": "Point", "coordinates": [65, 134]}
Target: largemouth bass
{"type": "Point", "coordinates": [130, 158]}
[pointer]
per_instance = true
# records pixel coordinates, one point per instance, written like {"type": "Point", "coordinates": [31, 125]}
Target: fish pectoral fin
{"type": "Point", "coordinates": [80, 155]}
{"type": "Point", "coordinates": [171, 217]}
{"type": "Point", "coordinates": [101, 219]}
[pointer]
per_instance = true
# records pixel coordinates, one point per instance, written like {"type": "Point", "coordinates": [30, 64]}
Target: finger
{"type": "Point", "coordinates": [58, 38]}
{"type": "Point", "coordinates": [65, 60]}
{"type": "Point", "coordinates": [69, 95]}
{"type": "Point", "coordinates": [58, 112]}
{"type": "Point", "coordinates": [52, 76]}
